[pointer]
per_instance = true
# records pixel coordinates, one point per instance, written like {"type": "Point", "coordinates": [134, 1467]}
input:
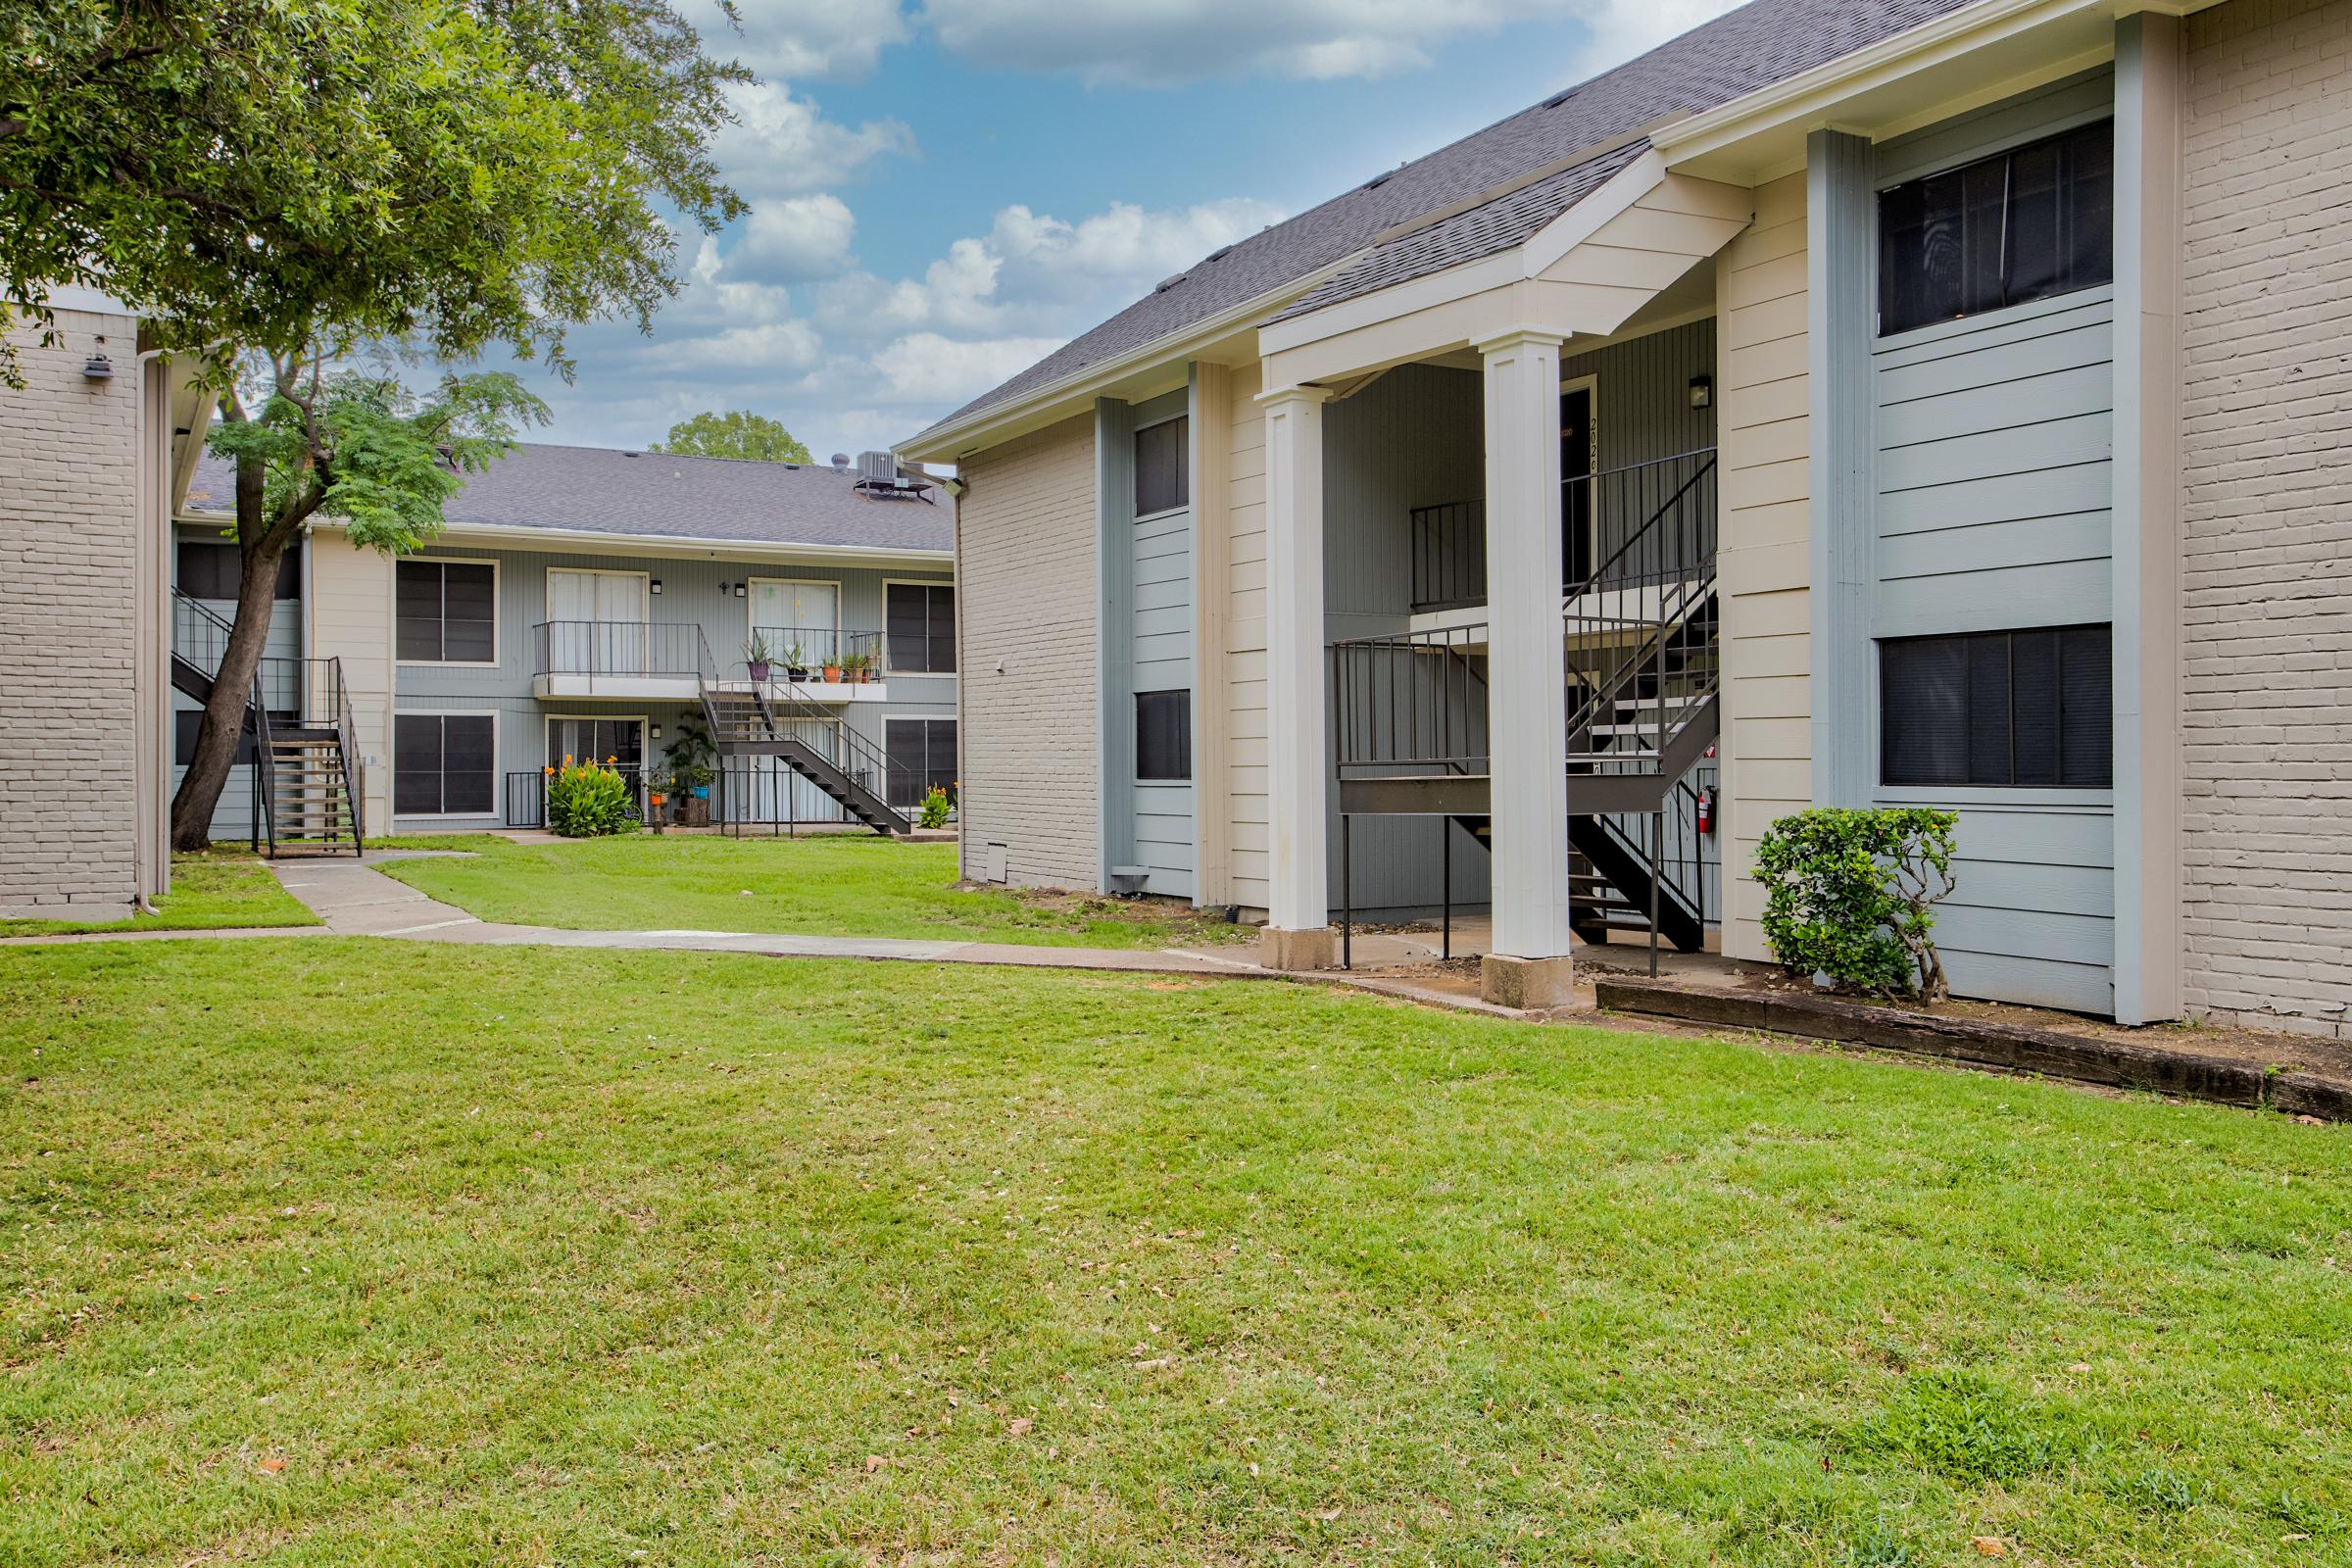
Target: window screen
{"type": "Point", "coordinates": [923, 758]}
{"type": "Point", "coordinates": [920, 622]}
{"type": "Point", "coordinates": [448, 612]}
{"type": "Point", "coordinates": [442, 763]}
{"type": "Point", "coordinates": [2035, 221]}
{"type": "Point", "coordinates": [2030, 708]}
{"type": "Point", "coordinates": [1163, 735]}
{"type": "Point", "coordinates": [209, 570]}
{"type": "Point", "coordinates": [1161, 480]}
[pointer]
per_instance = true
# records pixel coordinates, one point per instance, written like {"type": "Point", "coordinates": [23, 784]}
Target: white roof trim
{"type": "Point", "coordinates": [666, 546]}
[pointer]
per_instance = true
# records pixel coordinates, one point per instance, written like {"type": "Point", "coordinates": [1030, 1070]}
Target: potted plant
{"type": "Point", "coordinates": [796, 667]}
{"type": "Point", "coordinates": [657, 795]}
{"type": "Point", "coordinates": [690, 755]}
{"type": "Point", "coordinates": [757, 659]}
{"type": "Point", "coordinates": [853, 668]}
{"type": "Point", "coordinates": [834, 664]}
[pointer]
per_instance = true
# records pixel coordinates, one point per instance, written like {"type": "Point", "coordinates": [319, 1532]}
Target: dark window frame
{"type": "Point", "coordinates": [407, 782]}
{"type": "Point", "coordinates": [406, 618]}
{"type": "Point", "coordinates": [906, 786]}
{"type": "Point", "coordinates": [1979, 233]}
{"type": "Point", "coordinates": [1173, 490]}
{"type": "Point", "coordinates": [197, 570]}
{"type": "Point", "coordinates": [1964, 726]}
{"type": "Point", "coordinates": [938, 635]}
{"type": "Point", "coordinates": [1151, 738]}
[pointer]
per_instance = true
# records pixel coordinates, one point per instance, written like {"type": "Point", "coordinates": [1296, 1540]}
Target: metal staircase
{"type": "Point", "coordinates": [1642, 679]}
{"type": "Point", "coordinates": [298, 738]}
{"type": "Point", "coordinates": [756, 719]}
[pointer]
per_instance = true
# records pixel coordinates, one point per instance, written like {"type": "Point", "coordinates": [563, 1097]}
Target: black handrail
{"type": "Point", "coordinates": [818, 648]}
{"type": "Point", "coordinates": [1411, 700]}
{"type": "Point", "coordinates": [620, 648]}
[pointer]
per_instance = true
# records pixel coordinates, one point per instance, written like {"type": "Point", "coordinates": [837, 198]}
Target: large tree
{"type": "Point", "coordinates": [285, 181]}
{"type": "Point", "coordinates": [742, 434]}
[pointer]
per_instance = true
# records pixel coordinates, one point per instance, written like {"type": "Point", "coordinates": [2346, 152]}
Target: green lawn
{"type": "Point", "coordinates": [837, 885]}
{"type": "Point", "coordinates": [208, 891]}
{"type": "Point", "coordinates": [329, 1252]}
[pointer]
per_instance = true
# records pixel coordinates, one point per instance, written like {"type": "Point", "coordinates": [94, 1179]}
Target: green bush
{"type": "Point", "coordinates": [589, 801]}
{"type": "Point", "coordinates": [936, 807]}
{"type": "Point", "coordinates": [1852, 895]}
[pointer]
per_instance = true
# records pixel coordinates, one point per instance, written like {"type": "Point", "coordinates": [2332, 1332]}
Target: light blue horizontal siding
{"type": "Point", "coordinates": [1992, 492]}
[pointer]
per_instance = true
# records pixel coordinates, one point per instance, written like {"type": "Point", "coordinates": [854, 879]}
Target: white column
{"type": "Point", "coordinates": [1526, 703]}
{"type": "Point", "coordinates": [1298, 763]}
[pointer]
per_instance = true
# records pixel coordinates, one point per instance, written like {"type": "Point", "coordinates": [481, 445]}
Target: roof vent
{"type": "Point", "coordinates": [1217, 255]}
{"type": "Point", "coordinates": [1559, 98]}
{"type": "Point", "coordinates": [1376, 180]}
{"type": "Point", "coordinates": [840, 461]}
{"type": "Point", "coordinates": [1167, 283]}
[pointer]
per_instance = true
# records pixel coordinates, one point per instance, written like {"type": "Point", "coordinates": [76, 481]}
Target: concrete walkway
{"type": "Point", "coordinates": [355, 899]}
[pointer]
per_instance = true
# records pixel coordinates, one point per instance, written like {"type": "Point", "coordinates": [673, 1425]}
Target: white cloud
{"type": "Point", "coordinates": [840, 39]}
{"type": "Point", "coordinates": [925, 368]}
{"type": "Point", "coordinates": [797, 238]}
{"type": "Point", "coordinates": [784, 146]}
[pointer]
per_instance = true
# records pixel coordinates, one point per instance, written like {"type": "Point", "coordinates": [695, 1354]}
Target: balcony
{"type": "Point", "coordinates": [670, 662]}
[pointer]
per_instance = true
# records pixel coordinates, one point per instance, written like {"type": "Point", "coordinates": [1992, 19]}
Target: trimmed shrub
{"type": "Point", "coordinates": [936, 807]}
{"type": "Point", "coordinates": [589, 801]}
{"type": "Point", "coordinates": [1852, 896]}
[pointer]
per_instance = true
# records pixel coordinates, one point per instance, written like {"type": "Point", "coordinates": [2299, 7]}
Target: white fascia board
{"type": "Point", "coordinates": [1812, 97]}
{"type": "Point", "coordinates": [1423, 293]}
{"type": "Point", "coordinates": [662, 545]}
{"type": "Point", "coordinates": [1582, 221]}
{"type": "Point", "coordinates": [1002, 421]}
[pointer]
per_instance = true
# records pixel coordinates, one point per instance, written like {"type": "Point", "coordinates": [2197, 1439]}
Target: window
{"type": "Point", "coordinates": [920, 619]}
{"type": "Point", "coordinates": [923, 758]}
{"type": "Point", "coordinates": [2025, 224]}
{"type": "Point", "coordinates": [2030, 708]}
{"type": "Point", "coordinates": [213, 570]}
{"type": "Point", "coordinates": [442, 763]}
{"type": "Point", "coordinates": [1162, 482]}
{"type": "Point", "coordinates": [448, 612]}
{"type": "Point", "coordinates": [1163, 736]}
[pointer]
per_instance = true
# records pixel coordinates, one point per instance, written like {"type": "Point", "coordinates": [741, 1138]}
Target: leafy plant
{"type": "Point", "coordinates": [589, 801]}
{"type": "Point", "coordinates": [935, 808]}
{"type": "Point", "coordinates": [1852, 895]}
{"type": "Point", "coordinates": [690, 754]}
{"type": "Point", "coordinates": [1963, 1425]}
{"type": "Point", "coordinates": [755, 649]}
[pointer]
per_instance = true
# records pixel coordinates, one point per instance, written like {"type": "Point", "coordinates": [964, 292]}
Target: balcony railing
{"type": "Point", "coordinates": [806, 652]}
{"type": "Point", "coordinates": [620, 648]}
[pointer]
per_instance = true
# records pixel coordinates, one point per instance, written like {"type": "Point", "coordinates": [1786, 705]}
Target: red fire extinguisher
{"type": "Point", "coordinates": [1707, 811]}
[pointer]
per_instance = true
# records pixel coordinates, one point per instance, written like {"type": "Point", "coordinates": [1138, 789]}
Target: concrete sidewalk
{"type": "Point", "coordinates": [357, 899]}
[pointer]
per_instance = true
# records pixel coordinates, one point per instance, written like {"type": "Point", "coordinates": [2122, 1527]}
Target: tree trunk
{"type": "Point", "coordinates": [224, 722]}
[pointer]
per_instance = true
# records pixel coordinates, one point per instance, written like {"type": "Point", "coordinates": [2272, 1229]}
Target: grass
{"type": "Point", "coordinates": [209, 892]}
{"type": "Point", "coordinates": [834, 885]}
{"type": "Point", "coordinates": [330, 1252]}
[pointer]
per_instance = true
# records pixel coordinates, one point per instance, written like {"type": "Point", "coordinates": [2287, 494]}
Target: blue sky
{"type": "Point", "coordinates": [944, 190]}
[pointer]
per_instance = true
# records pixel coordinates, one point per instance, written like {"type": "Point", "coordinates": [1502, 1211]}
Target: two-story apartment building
{"type": "Point", "coordinates": [1850, 401]}
{"type": "Point", "coordinates": [592, 602]}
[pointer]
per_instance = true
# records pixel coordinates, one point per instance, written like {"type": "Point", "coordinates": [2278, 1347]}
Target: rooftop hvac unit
{"type": "Point", "coordinates": [877, 467]}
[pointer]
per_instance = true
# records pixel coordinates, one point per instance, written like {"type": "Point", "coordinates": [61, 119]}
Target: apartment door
{"type": "Point", "coordinates": [617, 741]}
{"type": "Point", "coordinates": [596, 622]}
{"type": "Point", "coordinates": [1579, 544]}
{"type": "Point", "coordinates": [798, 614]}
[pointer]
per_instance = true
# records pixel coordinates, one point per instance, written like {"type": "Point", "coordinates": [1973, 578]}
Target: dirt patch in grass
{"type": "Point", "coordinates": [1180, 922]}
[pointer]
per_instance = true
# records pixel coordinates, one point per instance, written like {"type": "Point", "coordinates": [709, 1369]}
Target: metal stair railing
{"type": "Point", "coordinates": [1636, 612]}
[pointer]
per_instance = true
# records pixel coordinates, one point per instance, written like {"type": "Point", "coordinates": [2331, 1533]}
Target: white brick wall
{"type": "Point", "coordinates": [2266, 514]}
{"type": "Point", "coordinates": [1025, 588]}
{"type": "Point", "coordinates": [69, 521]}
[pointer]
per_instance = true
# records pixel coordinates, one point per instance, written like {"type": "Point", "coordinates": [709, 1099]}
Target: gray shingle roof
{"type": "Point", "coordinates": [661, 495]}
{"type": "Point", "coordinates": [1755, 46]}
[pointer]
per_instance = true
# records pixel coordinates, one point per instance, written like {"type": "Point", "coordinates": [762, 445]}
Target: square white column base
{"type": "Point", "coordinates": [1533, 985]}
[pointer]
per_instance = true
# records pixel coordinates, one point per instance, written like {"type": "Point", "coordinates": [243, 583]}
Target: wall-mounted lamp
{"type": "Point", "coordinates": [656, 586]}
{"type": "Point", "coordinates": [656, 731]}
{"type": "Point", "coordinates": [98, 367]}
{"type": "Point", "coordinates": [742, 589]}
{"type": "Point", "coordinates": [1703, 391]}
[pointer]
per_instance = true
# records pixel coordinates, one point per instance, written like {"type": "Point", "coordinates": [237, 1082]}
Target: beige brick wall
{"type": "Point", "coordinates": [2266, 514]}
{"type": "Point", "coordinates": [1764, 488]}
{"type": "Point", "coordinates": [68, 521]}
{"type": "Point", "coordinates": [1025, 588]}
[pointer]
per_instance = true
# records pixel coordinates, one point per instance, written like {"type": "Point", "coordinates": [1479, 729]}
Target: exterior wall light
{"type": "Point", "coordinates": [656, 731]}
{"type": "Point", "coordinates": [656, 587]}
{"type": "Point", "coordinates": [1703, 391]}
{"type": "Point", "coordinates": [741, 589]}
{"type": "Point", "coordinates": [98, 367]}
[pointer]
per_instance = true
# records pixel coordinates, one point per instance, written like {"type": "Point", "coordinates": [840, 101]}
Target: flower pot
{"type": "Point", "coordinates": [832, 674]}
{"type": "Point", "coordinates": [796, 672]}
{"type": "Point", "coordinates": [759, 669]}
